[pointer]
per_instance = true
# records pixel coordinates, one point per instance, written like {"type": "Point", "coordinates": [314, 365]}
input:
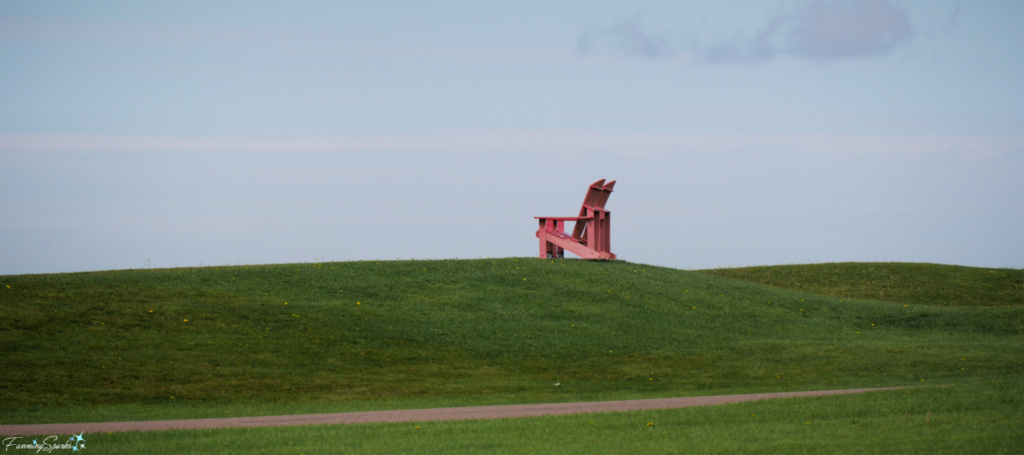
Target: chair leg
{"type": "Point", "coordinates": [557, 251]}
{"type": "Point", "coordinates": [543, 241]}
{"type": "Point", "coordinates": [607, 233]}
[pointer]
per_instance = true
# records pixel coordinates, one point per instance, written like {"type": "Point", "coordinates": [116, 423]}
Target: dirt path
{"type": "Point", "coordinates": [412, 415]}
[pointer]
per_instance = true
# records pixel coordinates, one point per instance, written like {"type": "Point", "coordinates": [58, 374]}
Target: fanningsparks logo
{"type": "Point", "coordinates": [74, 443]}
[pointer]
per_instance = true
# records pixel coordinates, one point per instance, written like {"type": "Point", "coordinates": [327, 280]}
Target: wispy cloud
{"type": "Point", "coordinates": [626, 36]}
{"type": "Point", "coordinates": [850, 28]}
{"type": "Point", "coordinates": [761, 46]}
{"type": "Point", "coordinates": [815, 29]}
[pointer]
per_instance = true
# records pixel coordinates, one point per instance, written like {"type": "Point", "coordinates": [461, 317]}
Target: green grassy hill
{"type": "Point", "coordinates": [482, 331]}
{"type": "Point", "coordinates": [925, 284]}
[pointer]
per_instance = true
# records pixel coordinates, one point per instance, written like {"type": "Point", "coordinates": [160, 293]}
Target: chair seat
{"type": "Point", "coordinates": [560, 235]}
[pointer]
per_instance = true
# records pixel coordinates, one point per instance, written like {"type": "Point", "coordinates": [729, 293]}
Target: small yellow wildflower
{"type": "Point", "coordinates": [186, 320]}
{"type": "Point", "coordinates": [357, 303]}
{"type": "Point", "coordinates": [650, 424]}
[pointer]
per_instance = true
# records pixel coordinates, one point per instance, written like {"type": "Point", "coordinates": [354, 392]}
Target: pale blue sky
{"type": "Point", "coordinates": [740, 132]}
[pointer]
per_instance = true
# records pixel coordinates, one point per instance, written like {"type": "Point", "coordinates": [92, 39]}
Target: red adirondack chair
{"type": "Point", "coordinates": [590, 237]}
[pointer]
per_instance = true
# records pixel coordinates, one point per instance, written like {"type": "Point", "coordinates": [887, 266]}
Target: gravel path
{"type": "Point", "coordinates": [411, 415]}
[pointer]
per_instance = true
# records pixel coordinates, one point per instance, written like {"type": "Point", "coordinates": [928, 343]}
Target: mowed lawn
{"type": "Point", "coordinates": [329, 337]}
{"type": "Point", "coordinates": [967, 418]}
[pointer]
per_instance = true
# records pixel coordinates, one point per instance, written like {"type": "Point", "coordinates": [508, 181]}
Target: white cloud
{"type": "Point", "coordinates": [627, 37]}
{"type": "Point", "coordinates": [815, 29]}
{"type": "Point", "coordinates": [744, 48]}
{"type": "Point", "coordinates": [849, 28]}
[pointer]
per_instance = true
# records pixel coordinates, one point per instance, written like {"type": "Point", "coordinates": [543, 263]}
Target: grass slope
{"type": "Point", "coordinates": [922, 284]}
{"type": "Point", "coordinates": [982, 418]}
{"type": "Point", "coordinates": [152, 343]}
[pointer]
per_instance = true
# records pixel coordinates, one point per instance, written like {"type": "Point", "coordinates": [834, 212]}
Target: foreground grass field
{"type": "Point", "coordinates": [968, 418]}
{"type": "Point", "coordinates": [329, 337]}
